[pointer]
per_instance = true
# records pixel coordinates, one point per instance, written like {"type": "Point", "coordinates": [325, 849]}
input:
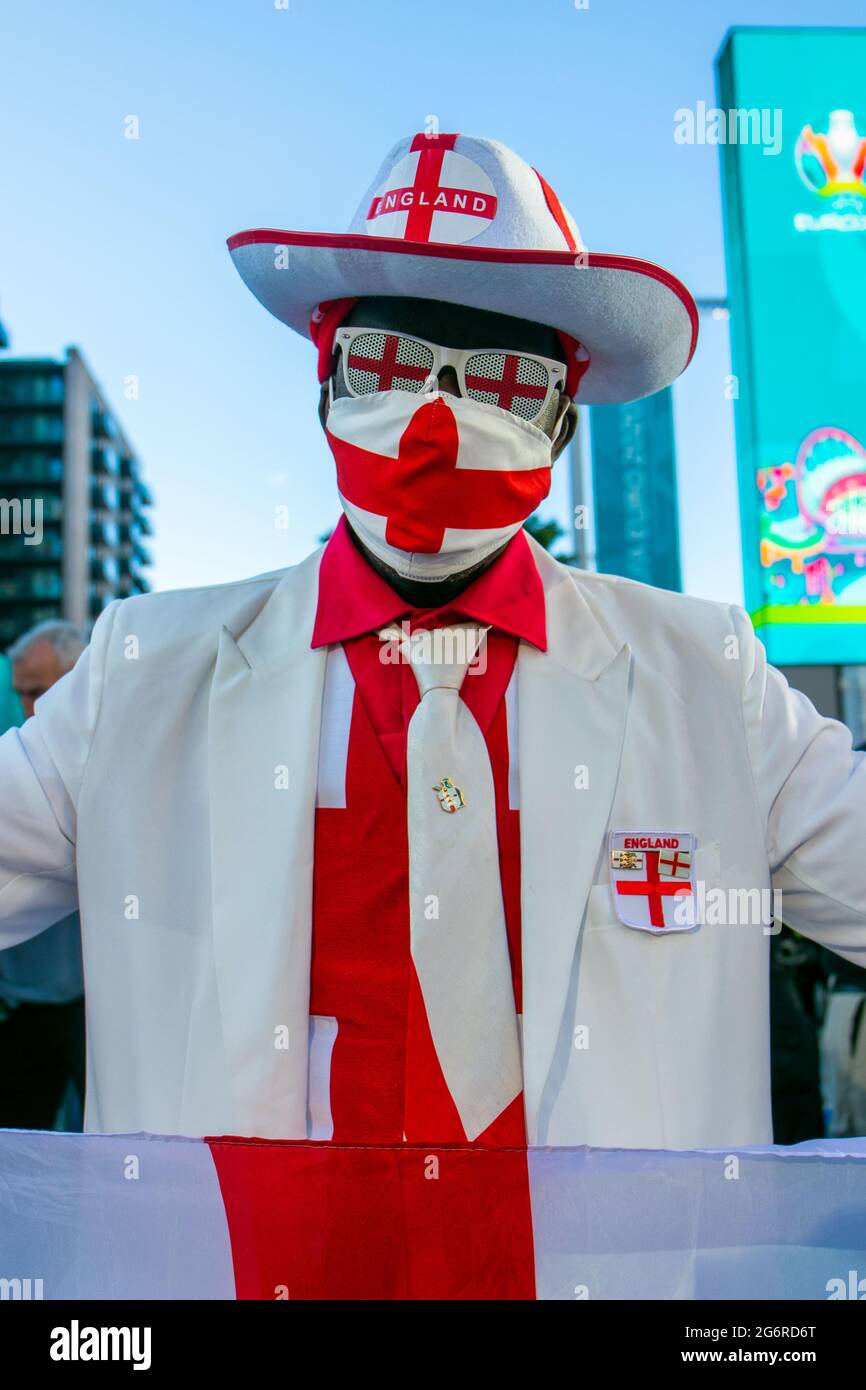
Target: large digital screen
{"type": "Point", "coordinates": [791, 124]}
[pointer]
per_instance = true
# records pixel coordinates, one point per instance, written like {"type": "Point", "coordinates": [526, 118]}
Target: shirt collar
{"type": "Point", "coordinates": [354, 599]}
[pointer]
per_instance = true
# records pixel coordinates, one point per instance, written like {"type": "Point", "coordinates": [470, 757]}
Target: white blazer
{"type": "Point", "coordinates": [148, 790]}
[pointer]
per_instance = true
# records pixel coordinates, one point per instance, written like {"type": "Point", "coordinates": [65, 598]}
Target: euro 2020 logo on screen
{"type": "Point", "coordinates": [832, 163]}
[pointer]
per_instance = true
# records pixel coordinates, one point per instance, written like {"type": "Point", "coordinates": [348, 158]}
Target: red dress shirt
{"type": "Point", "coordinates": [385, 1081]}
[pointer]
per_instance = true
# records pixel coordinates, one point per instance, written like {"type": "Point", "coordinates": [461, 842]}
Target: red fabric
{"type": "Point", "coordinates": [385, 1078]}
{"type": "Point", "coordinates": [317, 1221]}
{"type": "Point", "coordinates": [554, 207]}
{"type": "Point", "coordinates": [425, 140]}
{"type": "Point", "coordinates": [577, 361]}
{"type": "Point", "coordinates": [323, 325]}
{"type": "Point", "coordinates": [354, 599]}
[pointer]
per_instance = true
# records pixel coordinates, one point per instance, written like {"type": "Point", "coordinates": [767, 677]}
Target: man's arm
{"type": "Point", "coordinates": [42, 766]}
{"type": "Point", "coordinates": [811, 788]}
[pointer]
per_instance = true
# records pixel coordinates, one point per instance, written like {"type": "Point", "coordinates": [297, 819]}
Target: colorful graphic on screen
{"type": "Point", "coordinates": [833, 161]}
{"type": "Point", "coordinates": [813, 522]}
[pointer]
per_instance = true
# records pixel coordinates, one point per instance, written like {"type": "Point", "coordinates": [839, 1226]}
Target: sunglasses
{"type": "Point", "coordinates": [375, 359]}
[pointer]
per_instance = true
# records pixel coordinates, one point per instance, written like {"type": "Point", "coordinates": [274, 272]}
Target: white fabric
{"type": "Point", "coordinates": [108, 1216]}
{"type": "Point", "coordinates": [775, 1223]}
{"type": "Point", "coordinates": [337, 705]}
{"type": "Point", "coordinates": [511, 725]}
{"type": "Point", "coordinates": [323, 1035]}
{"type": "Point", "coordinates": [147, 791]}
{"type": "Point", "coordinates": [458, 935]}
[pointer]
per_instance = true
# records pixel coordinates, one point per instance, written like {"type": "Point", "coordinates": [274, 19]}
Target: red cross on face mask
{"type": "Point", "coordinates": [433, 483]}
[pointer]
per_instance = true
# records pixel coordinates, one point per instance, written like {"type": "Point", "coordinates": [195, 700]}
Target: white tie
{"type": "Point", "coordinates": [457, 920]}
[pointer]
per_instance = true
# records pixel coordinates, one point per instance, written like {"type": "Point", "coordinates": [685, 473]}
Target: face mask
{"type": "Point", "coordinates": [434, 483]}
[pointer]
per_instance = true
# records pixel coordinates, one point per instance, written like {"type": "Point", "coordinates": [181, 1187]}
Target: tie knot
{"type": "Point", "coordinates": [440, 656]}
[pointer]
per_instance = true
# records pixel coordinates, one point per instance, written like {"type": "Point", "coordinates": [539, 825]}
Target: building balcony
{"type": "Point", "coordinates": [132, 584]}
{"type": "Point", "coordinates": [104, 497]}
{"type": "Point", "coordinates": [29, 387]}
{"type": "Point", "coordinates": [37, 584]}
{"type": "Point", "coordinates": [137, 523]}
{"type": "Point", "coordinates": [104, 533]}
{"type": "Point", "coordinates": [101, 592]}
{"type": "Point", "coordinates": [31, 427]}
{"type": "Point", "coordinates": [21, 469]}
{"type": "Point", "coordinates": [15, 551]}
{"type": "Point", "coordinates": [104, 571]}
{"type": "Point", "coordinates": [133, 525]}
{"type": "Point", "coordinates": [102, 425]}
{"type": "Point", "coordinates": [105, 461]}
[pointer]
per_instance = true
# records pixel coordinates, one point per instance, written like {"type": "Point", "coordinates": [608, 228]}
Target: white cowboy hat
{"type": "Point", "coordinates": [467, 221]}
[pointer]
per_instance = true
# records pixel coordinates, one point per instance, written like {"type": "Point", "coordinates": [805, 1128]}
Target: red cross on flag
{"type": "Point", "coordinates": [426, 474]}
{"type": "Point", "coordinates": [675, 863]}
{"type": "Point", "coordinates": [658, 894]}
{"type": "Point", "coordinates": [433, 194]}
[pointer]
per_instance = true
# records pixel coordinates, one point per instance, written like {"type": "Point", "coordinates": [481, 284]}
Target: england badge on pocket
{"type": "Point", "coordinates": [652, 879]}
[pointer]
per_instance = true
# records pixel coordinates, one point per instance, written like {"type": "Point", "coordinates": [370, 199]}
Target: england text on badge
{"type": "Point", "coordinates": [652, 879]}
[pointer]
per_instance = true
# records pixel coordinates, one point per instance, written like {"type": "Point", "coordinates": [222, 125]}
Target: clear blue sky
{"type": "Point", "coordinates": [252, 115]}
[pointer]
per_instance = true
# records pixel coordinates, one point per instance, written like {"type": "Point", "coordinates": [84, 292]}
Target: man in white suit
{"type": "Point", "coordinates": [431, 838]}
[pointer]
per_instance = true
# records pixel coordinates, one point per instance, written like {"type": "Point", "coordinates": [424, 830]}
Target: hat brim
{"type": "Point", "coordinates": [638, 323]}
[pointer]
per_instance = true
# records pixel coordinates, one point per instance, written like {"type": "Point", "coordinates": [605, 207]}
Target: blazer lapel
{"type": "Point", "coordinates": [264, 717]}
{"type": "Point", "coordinates": [572, 705]}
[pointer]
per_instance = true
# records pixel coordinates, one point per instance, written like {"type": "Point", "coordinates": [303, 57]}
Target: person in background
{"type": "Point", "coordinates": [41, 657]}
{"type": "Point", "coordinates": [41, 981]}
